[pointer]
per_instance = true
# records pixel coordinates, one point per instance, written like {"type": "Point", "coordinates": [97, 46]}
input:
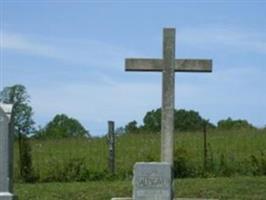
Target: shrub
{"type": "Point", "coordinates": [258, 164]}
{"type": "Point", "coordinates": [27, 172]}
{"type": "Point", "coordinates": [182, 168]}
{"type": "Point", "coordinates": [229, 124]}
{"type": "Point", "coordinates": [75, 170]}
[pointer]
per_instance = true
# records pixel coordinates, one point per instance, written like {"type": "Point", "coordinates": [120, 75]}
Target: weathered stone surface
{"type": "Point", "coordinates": [6, 153]}
{"type": "Point", "coordinates": [7, 108]}
{"type": "Point", "coordinates": [156, 65]}
{"type": "Point", "coordinates": [168, 100]}
{"type": "Point", "coordinates": [152, 181]}
{"type": "Point", "coordinates": [7, 196]}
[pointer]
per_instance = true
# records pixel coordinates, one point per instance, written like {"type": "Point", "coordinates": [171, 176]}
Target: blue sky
{"type": "Point", "coordinates": [70, 56]}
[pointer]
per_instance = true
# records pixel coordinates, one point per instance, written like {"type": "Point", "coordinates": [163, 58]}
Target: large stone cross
{"type": "Point", "coordinates": [168, 65]}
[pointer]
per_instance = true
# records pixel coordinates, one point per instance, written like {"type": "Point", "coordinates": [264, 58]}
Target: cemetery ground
{"type": "Point", "coordinates": [78, 168]}
{"type": "Point", "coordinates": [220, 187]}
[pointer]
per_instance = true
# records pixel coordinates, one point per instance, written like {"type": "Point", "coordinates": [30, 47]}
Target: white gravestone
{"type": "Point", "coordinates": [6, 153]}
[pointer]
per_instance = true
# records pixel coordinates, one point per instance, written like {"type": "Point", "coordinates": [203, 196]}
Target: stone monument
{"type": "Point", "coordinates": [153, 181]}
{"type": "Point", "coordinates": [6, 153]}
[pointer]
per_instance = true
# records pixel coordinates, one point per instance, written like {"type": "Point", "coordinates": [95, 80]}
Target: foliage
{"type": "Point", "coordinates": [189, 120]}
{"type": "Point", "coordinates": [63, 126]}
{"type": "Point", "coordinates": [152, 120]}
{"type": "Point", "coordinates": [27, 173]}
{"type": "Point", "coordinates": [181, 166]}
{"type": "Point", "coordinates": [258, 164]}
{"type": "Point", "coordinates": [230, 124]}
{"type": "Point", "coordinates": [22, 111]}
{"type": "Point", "coordinates": [183, 120]}
{"type": "Point", "coordinates": [131, 127]}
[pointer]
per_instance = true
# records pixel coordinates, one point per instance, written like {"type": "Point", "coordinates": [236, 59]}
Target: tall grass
{"type": "Point", "coordinates": [230, 153]}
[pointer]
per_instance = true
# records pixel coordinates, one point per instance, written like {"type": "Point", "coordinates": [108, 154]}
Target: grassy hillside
{"type": "Point", "coordinates": [230, 153]}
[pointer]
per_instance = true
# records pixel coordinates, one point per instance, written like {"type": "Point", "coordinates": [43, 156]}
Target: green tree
{"type": "Point", "coordinates": [131, 127]}
{"type": "Point", "coordinates": [23, 125]}
{"type": "Point", "coordinates": [22, 111]}
{"type": "Point", "coordinates": [152, 121]}
{"type": "Point", "coordinates": [183, 120]}
{"type": "Point", "coordinates": [63, 126]}
{"type": "Point", "coordinates": [229, 124]}
{"type": "Point", "coordinates": [188, 120]}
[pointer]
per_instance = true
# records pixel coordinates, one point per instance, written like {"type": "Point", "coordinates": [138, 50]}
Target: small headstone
{"type": "Point", "coordinates": [152, 181]}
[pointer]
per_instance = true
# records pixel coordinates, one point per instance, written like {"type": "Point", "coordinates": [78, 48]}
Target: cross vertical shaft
{"type": "Point", "coordinates": [168, 96]}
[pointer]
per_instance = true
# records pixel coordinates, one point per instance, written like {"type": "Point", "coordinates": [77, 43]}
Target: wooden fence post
{"type": "Point", "coordinates": [111, 146]}
{"type": "Point", "coordinates": [205, 148]}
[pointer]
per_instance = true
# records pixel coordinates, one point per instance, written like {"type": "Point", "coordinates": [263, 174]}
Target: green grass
{"type": "Point", "coordinates": [223, 188]}
{"type": "Point", "coordinates": [52, 156]}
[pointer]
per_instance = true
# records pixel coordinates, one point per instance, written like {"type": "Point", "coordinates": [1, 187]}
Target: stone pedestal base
{"type": "Point", "coordinates": [7, 196]}
{"type": "Point", "coordinates": [152, 181]}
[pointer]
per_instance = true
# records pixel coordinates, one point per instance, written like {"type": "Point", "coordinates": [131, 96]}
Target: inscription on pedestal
{"type": "Point", "coordinates": [152, 181]}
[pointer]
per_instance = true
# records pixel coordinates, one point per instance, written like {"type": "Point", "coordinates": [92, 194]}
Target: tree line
{"type": "Point", "coordinates": [62, 126]}
{"type": "Point", "coordinates": [185, 121]}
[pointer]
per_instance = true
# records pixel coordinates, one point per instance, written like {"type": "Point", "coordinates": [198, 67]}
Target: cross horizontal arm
{"type": "Point", "coordinates": [144, 64]}
{"type": "Point", "coordinates": [193, 65]}
{"type": "Point", "coordinates": [181, 65]}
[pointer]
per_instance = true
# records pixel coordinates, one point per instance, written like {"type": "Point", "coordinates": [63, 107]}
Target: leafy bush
{"type": "Point", "coordinates": [181, 167]}
{"type": "Point", "coordinates": [229, 124]}
{"type": "Point", "coordinates": [258, 164]}
{"type": "Point", "coordinates": [152, 120]}
{"type": "Point", "coordinates": [132, 127]}
{"type": "Point", "coordinates": [26, 173]}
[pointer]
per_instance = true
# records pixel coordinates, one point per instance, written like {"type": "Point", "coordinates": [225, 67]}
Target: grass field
{"type": "Point", "coordinates": [230, 153]}
{"type": "Point", "coordinates": [223, 188]}
{"type": "Point", "coordinates": [239, 155]}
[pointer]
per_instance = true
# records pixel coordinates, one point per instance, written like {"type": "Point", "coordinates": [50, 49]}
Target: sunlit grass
{"type": "Point", "coordinates": [236, 146]}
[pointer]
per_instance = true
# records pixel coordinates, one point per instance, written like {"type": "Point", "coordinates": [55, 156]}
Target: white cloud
{"type": "Point", "coordinates": [18, 42]}
{"type": "Point", "coordinates": [238, 39]}
{"type": "Point", "coordinates": [91, 53]}
{"type": "Point", "coordinates": [104, 54]}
